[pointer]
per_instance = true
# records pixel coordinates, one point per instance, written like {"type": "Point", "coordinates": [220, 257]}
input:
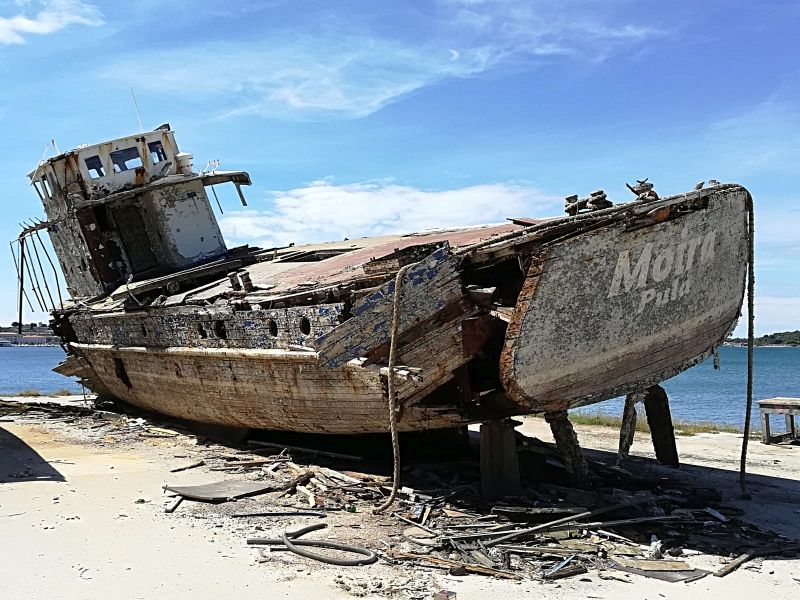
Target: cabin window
{"type": "Point", "coordinates": [95, 167]}
{"type": "Point", "coordinates": [127, 159]}
{"type": "Point", "coordinates": [46, 188]}
{"type": "Point", "coordinates": [157, 153]}
{"type": "Point", "coordinates": [36, 186]}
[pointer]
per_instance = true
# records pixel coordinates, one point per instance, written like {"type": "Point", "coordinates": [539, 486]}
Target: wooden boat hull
{"type": "Point", "coordinates": [606, 304]}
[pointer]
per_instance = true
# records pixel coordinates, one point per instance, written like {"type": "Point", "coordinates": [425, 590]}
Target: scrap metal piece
{"type": "Point", "coordinates": [221, 491]}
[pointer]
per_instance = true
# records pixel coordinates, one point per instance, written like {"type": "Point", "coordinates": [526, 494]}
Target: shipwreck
{"type": "Point", "coordinates": [482, 323]}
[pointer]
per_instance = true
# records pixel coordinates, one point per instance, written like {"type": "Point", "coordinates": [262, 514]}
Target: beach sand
{"type": "Point", "coordinates": [85, 519]}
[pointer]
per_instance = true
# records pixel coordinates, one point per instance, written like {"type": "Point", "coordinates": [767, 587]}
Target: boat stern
{"type": "Point", "coordinates": [624, 305]}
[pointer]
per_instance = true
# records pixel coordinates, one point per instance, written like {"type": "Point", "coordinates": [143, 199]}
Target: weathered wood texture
{"type": "Point", "coordinates": [568, 447]}
{"type": "Point", "coordinates": [621, 308]}
{"type": "Point", "coordinates": [499, 460]}
{"type": "Point", "coordinates": [659, 420]}
{"type": "Point", "coordinates": [428, 288]}
{"type": "Point", "coordinates": [628, 429]}
{"type": "Point", "coordinates": [273, 388]}
{"type": "Point", "coordinates": [205, 327]}
{"type": "Point", "coordinates": [788, 407]}
{"type": "Point", "coordinates": [268, 389]}
{"type": "Point", "coordinates": [611, 310]}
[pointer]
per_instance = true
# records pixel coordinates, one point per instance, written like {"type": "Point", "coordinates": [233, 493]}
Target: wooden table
{"type": "Point", "coordinates": [789, 407]}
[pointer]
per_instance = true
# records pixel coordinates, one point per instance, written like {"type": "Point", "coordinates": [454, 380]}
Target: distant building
{"type": "Point", "coordinates": [15, 339]}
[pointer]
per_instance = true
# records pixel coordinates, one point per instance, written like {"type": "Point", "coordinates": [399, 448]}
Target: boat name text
{"type": "Point", "coordinates": [675, 261]}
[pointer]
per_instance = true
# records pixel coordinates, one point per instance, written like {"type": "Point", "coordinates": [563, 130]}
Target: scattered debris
{"type": "Point", "coordinates": [194, 465]}
{"type": "Point", "coordinates": [220, 491]}
{"type": "Point", "coordinates": [622, 523]}
{"type": "Point", "coordinates": [174, 504]}
{"type": "Point", "coordinates": [291, 542]}
{"type": "Point", "coordinates": [761, 552]}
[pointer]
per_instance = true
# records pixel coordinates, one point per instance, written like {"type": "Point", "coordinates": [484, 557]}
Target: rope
{"type": "Point", "coordinates": [750, 335]}
{"type": "Point", "coordinates": [398, 286]}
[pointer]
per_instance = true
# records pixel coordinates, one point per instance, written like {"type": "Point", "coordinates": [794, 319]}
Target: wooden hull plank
{"type": "Point", "coordinates": [429, 287]}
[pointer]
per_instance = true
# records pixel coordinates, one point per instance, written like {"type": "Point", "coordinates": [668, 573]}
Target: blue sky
{"type": "Point", "coordinates": [363, 117]}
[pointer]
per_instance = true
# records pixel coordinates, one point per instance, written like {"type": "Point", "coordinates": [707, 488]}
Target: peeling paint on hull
{"type": "Point", "coordinates": [587, 329]}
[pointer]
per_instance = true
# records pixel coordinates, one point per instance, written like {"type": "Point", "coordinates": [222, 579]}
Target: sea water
{"type": "Point", "coordinates": [30, 368]}
{"type": "Point", "coordinates": [699, 394]}
{"type": "Point", "coordinates": [703, 393]}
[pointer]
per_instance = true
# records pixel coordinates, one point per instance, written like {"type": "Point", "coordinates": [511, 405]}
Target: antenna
{"type": "Point", "coordinates": [136, 106]}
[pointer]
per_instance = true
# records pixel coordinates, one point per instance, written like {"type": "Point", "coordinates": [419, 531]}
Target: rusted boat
{"type": "Point", "coordinates": [534, 315]}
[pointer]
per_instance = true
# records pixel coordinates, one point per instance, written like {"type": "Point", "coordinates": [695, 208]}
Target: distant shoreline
{"type": "Point", "coordinates": [29, 346]}
{"type": "Point", "coordinates": [729, 345]}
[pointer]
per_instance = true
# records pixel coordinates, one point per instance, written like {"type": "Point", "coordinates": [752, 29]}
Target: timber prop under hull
{"type": "Point", "coordinates": [494, 322]}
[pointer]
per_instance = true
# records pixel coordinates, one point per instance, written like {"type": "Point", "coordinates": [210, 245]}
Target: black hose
{"type": "Point", "coordinates": [289, 539]}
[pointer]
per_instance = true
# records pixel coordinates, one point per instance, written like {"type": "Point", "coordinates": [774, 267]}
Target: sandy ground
{"type": "Point", "coordinates": [87, 520]}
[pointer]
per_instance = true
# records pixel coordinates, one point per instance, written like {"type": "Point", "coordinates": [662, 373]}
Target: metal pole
{"type": "Point", "coordinates": [21, 286]}
{"type": "Point", "coordinates": [44, 275]}
{"type": "Point", "coordinates": [34, 283]}
{"type": "Point", "coordinates": [17, 267]}
{"type": "Point", "coordinates": [55, 271]}
{"type": "Point", "coordinates": [222, 212]}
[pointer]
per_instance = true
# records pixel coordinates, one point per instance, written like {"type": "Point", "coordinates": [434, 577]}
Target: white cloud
{"type": "Point", "coordinates": [546, 27]}
{"type": "Point", "coordinates": [304, 76]}
{"type": "Point", "coordinates": [53, 16]}
{"type": "Point", "coordinates": [323, 211]}
{"type": "Point", "coordinates": [340, 70]}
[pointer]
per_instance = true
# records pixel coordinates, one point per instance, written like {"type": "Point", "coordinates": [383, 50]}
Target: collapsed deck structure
{"type": "Point", "coordinates": [535, 315]}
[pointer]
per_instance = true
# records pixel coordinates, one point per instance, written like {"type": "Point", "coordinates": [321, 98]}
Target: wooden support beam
{"type": "Point", "coordinates": [659, 419]}
{"type": "Point", "coordinates": [569, 448]}
{"type": "Point", "coordinates": [499, 460]}
{"type": "Point", "coordinates": [628, 428]}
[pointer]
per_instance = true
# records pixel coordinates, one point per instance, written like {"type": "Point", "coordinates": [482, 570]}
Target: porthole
{"type": "Point", "coordinates": [305, 325]}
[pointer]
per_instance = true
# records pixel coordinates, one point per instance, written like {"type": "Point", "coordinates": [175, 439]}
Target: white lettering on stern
{"type": "Point", "coordinates": [671, 267]}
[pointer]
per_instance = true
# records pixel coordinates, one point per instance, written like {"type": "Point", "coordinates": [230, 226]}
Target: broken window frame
{"type": "Point", "coordinates": [38, 191]}
{"type": "Point", "coordinates": [158, 153]}
{"type": "Point", "coordinates": [48, 190]}
{"type": "Point", "coordinates": [120, 158]}
{"type": "Point", "coordinates": [94, 163]}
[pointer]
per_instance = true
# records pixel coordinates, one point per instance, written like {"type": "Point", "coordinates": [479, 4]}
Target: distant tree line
{"type": "Point", "coordinates": [781, 338]}
{"type": "Point", "coordinates": [29, 326]}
